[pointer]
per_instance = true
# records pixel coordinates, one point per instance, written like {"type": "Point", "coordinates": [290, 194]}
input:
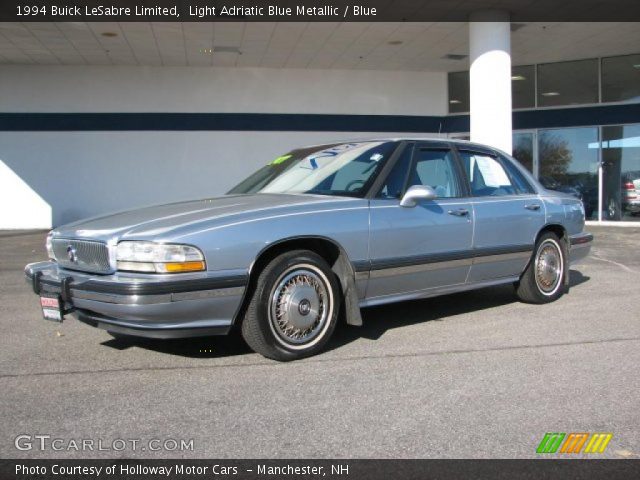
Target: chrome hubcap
{"type": "Point", "coordinates": [300, 306]}
{"type": "Point", "coordinates": [548, 267]}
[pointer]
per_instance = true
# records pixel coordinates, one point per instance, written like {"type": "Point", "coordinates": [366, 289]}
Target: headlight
{"type": "Point", "coordinates": [49, 246]}
{"type": "Point", "coordinates": [153, 257]}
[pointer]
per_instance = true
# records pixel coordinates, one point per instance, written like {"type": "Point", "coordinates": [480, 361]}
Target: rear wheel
{"type": "Point", "coordinates": [543, 279]}
{"type": "Point", "coordinates": [294, 308]}
{"type": "Point", "coordinates": [613, 210]}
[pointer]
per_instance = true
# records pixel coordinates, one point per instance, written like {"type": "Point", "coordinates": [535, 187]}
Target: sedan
{"type": "Point", "coordinates": [310, 239]}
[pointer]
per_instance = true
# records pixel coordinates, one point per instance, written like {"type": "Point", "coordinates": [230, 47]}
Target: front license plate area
{"type": "Point", "coordinates": [51, 308]}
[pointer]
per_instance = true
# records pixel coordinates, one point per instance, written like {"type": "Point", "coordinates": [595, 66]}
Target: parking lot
{"type": "Point", "coordinates": [472, 375]}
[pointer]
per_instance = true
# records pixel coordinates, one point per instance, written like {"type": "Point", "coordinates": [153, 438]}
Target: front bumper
{"type": "Point", "coordinates": [579, 246]}
{"type": "Point", "coordinates": [155, 306]}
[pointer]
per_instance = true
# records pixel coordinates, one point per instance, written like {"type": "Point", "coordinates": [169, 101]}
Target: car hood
{"type": "Point", "coordinates": [174, 219]}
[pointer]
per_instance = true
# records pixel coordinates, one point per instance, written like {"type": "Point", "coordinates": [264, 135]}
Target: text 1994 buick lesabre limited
{"type": "Point", "coordinates": [313, 236]}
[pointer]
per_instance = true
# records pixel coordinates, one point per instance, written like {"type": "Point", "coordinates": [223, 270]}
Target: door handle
{"type": "Point", "coordinates": [460, 212]}
{"type": "Point", "coordinates": [532, 206]}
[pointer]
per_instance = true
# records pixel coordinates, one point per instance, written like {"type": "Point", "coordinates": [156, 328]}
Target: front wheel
{"type": "Point", "coordinates": [543, 279]}
{"type": "Point", "coordinates": [294, 308]}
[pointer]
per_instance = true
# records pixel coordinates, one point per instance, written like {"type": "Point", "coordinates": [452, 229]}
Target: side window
{"type": "Point", "coordinates": [486, 175]}
{"type": "Point", "coordinates": [435, 168]}
{"type": "Point", "coordinates": [394, 184]}
{"type": "Point", "coordinates": [516, 175]}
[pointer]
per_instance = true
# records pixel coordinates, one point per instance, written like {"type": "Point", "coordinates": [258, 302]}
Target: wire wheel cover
{"type": "Point", "coordinates": [548, 267]}
{"type": "Point", "coordinates": [300, 305]}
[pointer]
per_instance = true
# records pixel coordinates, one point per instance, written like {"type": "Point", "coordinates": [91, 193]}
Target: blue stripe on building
{"type": "Point", "coordinates": [270, 122]}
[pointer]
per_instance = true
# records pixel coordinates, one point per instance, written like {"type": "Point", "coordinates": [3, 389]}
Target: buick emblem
{"type": "Point", "coordinates": [72, 254]}
{"type": "Point", "coordinates": [304, 307]}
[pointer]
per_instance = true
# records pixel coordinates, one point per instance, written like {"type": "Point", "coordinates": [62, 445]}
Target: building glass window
{"type": "Point", "coordinates": [458, 92]}
{"type": "Point", "coordinates": [523, 149]}
{"type": "Point", "coordinates": [523, 86]}
{"type": "Point", "coordinates": [568, 83]}
{"type": "Point", "coordinates": [568, 162]}
{"type": "Point", "coordinates": [621, 172]}
{"type": "Point", "coordinates": [621, 78]}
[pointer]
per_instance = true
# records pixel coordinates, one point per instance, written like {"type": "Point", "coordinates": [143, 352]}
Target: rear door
{"type": "Point", "coordinates": [508, 214]}
{"type": "Point", "coordinates": [427, 246]}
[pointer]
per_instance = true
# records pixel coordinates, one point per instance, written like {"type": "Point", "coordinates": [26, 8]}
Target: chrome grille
{"type": "Point", "coordinates": [83, 255]}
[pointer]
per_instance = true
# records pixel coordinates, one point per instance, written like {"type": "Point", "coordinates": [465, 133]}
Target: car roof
{"type": "Point", "coordinates": [455, 141]}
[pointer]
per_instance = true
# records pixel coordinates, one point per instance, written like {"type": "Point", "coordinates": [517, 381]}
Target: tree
{"type": "Point", "coordinates": [555, 157]}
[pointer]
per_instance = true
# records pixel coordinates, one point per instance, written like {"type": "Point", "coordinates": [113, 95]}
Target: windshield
{"type": "Point", "coordinates": [339, 169]}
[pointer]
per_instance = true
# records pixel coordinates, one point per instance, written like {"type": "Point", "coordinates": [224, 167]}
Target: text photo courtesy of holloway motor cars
{"type": "Point", "coordinates": [390, 239]}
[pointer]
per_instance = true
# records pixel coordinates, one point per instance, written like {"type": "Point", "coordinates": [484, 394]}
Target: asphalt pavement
{"type": "Point", "coordinates": [471, 375]}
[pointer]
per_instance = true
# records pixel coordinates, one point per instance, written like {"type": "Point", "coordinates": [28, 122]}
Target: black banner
{"type": "Point", "coordinates": [315, 469]}
{"type": "Point", "coordinates": [313, 11]}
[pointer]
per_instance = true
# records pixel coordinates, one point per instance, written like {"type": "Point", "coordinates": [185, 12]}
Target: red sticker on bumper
{"type": "Point", "coordinates": [49, 302]}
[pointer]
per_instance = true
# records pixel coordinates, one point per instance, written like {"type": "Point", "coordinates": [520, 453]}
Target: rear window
{"type": "Point", "coordinates": [487, 177]}
{"type": "Point", "coordinates": [516, 175]}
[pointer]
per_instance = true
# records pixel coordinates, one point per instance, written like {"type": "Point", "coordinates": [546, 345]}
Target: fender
{"type": "Point", "coordinates": [341, 266]}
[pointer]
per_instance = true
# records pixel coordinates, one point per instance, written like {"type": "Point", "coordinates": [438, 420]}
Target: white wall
{"type": "Point", "coordinates": [81, 174]}
{"type": "Point", "coordinates": [25, 88]}
{"type": "Point", "coordinates": [64, 176]}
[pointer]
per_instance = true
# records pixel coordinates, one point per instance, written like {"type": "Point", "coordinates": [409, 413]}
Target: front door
{"type": "Point", "coordinates": [427, 246]}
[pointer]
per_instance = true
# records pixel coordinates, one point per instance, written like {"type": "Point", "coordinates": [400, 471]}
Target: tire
{"type": "Point", "coordinates": [543, 279]}
{"type": "Point", "coordinates": [613, 211]}
{"type": "Point", "coordinates": [294, 308]}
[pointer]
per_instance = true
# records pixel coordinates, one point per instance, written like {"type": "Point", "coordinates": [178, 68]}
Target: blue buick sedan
{"type": "Point", "coordinates": [310, 239]}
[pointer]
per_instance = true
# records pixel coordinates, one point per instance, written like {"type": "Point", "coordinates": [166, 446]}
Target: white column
{"type": "Point", "coordinates": [490, 79]}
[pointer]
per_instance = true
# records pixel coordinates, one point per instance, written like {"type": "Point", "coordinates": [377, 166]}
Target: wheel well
{"type": "Point", "coordinates": [328, 250]}
{"type": "Point", "coordinates": [558, 230]}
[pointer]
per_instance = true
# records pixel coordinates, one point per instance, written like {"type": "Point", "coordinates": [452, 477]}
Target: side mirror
{"type": "Point", "coordinates": [415, 193]}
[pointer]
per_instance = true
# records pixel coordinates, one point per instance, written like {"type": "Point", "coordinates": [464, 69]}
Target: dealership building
{"type": "Point", "coordinates": [99, 117]}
